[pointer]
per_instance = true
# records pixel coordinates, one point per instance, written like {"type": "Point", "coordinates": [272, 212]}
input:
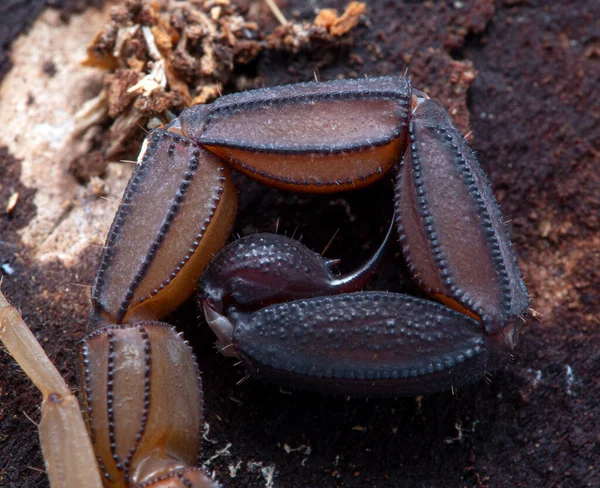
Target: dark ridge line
{"type": "Point", "coordinates": [290, 151]}
{"type": "Point", "coordinates": [403, 93]}
{"type": "Point", "coordinates": [89, 400]}
{"type": "Point", "coordinates": [147, 399]}
{"type": "Point", "coordinates": [165, 226]}
{"type": "Point", "coordinates": [110, 398]}
{"type": "Point", "coordinates": [402, 237]}
{"type": "Point", "coordinates": [491, 236]}
{"type": "Point", "coordinates": [116, 226]}
{"type": "Point", "coordinates": [197, 239]}
{"type": "Point", "coordinates": [426, 218]}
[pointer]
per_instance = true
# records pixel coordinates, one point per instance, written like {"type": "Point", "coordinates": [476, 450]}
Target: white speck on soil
{"type": "Point", "coordinates": [570, 379]}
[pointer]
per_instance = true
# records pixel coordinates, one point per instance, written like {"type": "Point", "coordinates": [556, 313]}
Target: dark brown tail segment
{"type": "Point", "coordinates": [368, 343]}
{"type": "Point", "coordinates": [450, 225]}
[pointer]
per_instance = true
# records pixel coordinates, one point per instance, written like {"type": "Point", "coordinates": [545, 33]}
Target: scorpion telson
{"type": "Point", "coordinates": [272, 302]}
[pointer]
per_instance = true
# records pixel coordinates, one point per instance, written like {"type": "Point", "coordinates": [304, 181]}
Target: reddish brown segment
{"type": "Point", "coordinates": [451, 228]}
{"type": "Point", "coordinates": [263, 269]}
{"type": "Point", "coordinates": [176, 213]}
{"type": "Point", "coordinates": [313, 137]}
{"type": "Point", "coordinates": [143, 424]}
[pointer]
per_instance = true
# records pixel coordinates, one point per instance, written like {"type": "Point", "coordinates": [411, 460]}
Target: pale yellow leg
{"type": "Point", "coordinates": [68, 453]}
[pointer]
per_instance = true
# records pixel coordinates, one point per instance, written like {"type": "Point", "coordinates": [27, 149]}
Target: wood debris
{"type": "Point", "coordinates": [12, 202]}
{"type": "Point", "coordinates": [163, 56]}
{"type": "Point", "coordinates": [338, 26]}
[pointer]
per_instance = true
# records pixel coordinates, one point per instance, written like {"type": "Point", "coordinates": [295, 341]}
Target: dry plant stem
{"type": "Point", "coordinates": [63, 434]}
{"type": "Point", "coordinates": [276, 12]}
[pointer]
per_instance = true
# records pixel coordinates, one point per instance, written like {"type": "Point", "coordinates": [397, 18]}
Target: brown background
{"type": "Point", "coordinates": [534, 110]}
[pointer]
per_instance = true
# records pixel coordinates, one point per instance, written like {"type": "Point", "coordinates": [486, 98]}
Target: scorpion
{"type": "Point", "coordinates": [273, 303]}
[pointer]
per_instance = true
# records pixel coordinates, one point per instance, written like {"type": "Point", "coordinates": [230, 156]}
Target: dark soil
{"type": "Point", "coordinates": [533, 109]}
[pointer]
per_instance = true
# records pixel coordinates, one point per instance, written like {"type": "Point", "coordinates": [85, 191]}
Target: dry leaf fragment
{"type": "Point", "coordinates": [326, 18]}
{"type": "Point", "coordinates": [349, 19]}
{"type": "Point", "coordinates": [208, 93]}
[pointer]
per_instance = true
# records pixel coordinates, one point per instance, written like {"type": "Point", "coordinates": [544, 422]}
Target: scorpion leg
{"type": "Point", "coordinates": [68, 454]}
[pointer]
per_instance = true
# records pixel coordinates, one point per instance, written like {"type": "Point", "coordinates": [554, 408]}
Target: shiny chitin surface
{"type": "Point", "coordinates": [362, 343]}
{"type": "Point", "coordinates": [262, 269]}
{"type": "Point", "coordinates": [177, 211]}
{"type": "Point", "coordinates": [139, 381]}
{"type": "Point", "coordinates": [457, 249]}
{"type": "Point", "coordinates": [368, 343]}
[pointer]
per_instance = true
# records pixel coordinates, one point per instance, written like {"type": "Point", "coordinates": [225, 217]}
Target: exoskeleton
{"type": "Point", "coordinates": [273, 303]}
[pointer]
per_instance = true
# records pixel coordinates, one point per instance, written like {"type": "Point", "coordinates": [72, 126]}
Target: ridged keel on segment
{"type": "Point", "coordinates": [142, 397]}
{"type": "Point", "coordinates": [177, 212]}
{"type": "Point", "coordinates": [451, 228]}
{"type": "Point", "coordinates": [315, 137]}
